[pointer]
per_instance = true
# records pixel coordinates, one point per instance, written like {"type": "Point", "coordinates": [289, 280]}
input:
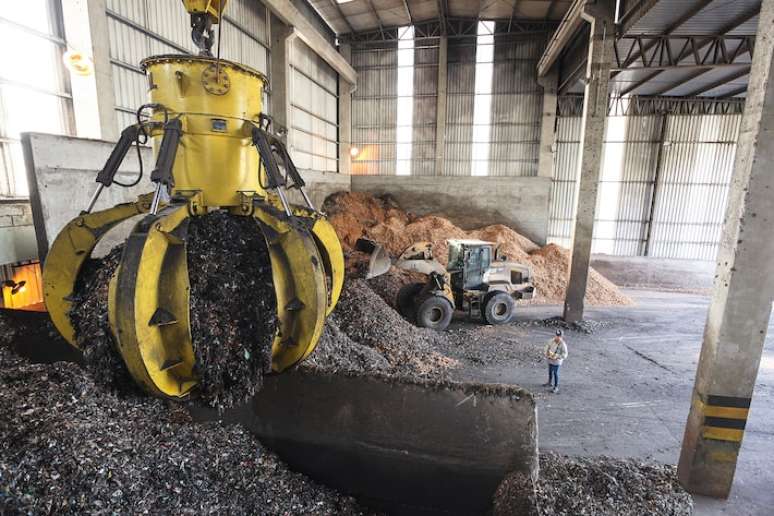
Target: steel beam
{"type": "Point", "coordinates": [569, 25]}
{"type": "Point", "coordinates": [289, 15]}
{"type": "Point", "coordinates": [376, 15]}
{"type": "Point", "coordinates": [711, 86]}
{"type": "Point", "coordinates": [676, 25]}
{"type": "Point", "coordinates": [733, 24]}
{"type": "Point", "coordinates": [341, 15]}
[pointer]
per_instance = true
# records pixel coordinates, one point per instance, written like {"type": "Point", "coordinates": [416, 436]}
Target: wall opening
{"type": "Point", "coordinates": [404, 127]}
{"type": "Point", "coordinates": [482, 103]}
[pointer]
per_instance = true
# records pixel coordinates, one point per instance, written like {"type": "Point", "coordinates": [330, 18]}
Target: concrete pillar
{"type": "Point", "coordinates": [345, 116]}
{"type": "Point", "coordinates": [601, 41]}
{"type": "Point", "coordinates": [744, 289]}
{"type": "Point", "coordinates": [282, 36]}
{"type": "Point", "coordinates": [86, 31]}
{"type": "Point", "coordinates": [550, 84]}
{"type": "Point", "coordinates": [440, 106]}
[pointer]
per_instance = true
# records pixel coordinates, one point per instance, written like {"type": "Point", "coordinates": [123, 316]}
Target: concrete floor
{"type": "Point", "coordinates": [626, 391]}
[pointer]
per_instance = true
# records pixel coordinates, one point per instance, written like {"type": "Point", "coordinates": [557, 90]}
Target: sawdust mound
{"type": "Point", "coordinates": [357, 214]}
{"type": "Point", "coordinates": [600, 485]}
{"type": "Point", "coordinates": [69, 447]}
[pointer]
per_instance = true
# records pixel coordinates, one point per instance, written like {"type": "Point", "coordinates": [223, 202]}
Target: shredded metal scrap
{"type": "Point", "coordinates": [233, 307]}
{"type": "Point", "coordinates": [587, 326]}
{"type": "Point", "coordinates": [69, 447]}
{"type": "Point", "coordinates": [369, 322]}
{"type": "Point", "coordinates": [233, 311]}
{"type": "Point", "coordinates": [594, 486]}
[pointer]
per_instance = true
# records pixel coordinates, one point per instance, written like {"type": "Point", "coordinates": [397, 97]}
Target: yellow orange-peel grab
{"type": "Point", "coordinates": [214, 149]}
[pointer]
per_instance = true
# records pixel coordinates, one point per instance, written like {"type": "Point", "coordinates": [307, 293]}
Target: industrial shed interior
{"type": "Point", "coordinates": [412, 257]}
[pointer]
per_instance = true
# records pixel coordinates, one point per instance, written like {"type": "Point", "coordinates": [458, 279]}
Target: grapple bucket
{"type": "Point", "coordinates": [213, 150]}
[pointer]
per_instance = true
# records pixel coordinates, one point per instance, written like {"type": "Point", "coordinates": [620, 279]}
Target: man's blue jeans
{"type": "Point", "coordinates": [553, 374]}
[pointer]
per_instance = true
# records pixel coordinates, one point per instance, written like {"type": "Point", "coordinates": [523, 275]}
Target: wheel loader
{"type": "Point", "coordinates": [215, 149]}
{"type": "Point", "coordinates": [478, 279]}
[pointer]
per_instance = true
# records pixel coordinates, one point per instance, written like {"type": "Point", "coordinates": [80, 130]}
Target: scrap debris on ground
{"type": "Point", "coordinates": [587, 326]}
{"type": "Point", "coordinates": [69, 447]}
{"type": "Point", "coordinates": [486, 345]}
{"type": "Point", "coordinates": [358, 214]}
{"type": "Point", "coordinates": [599, 486]}
{"type": "Point", "coordinates": [232, 311]}
{"type": "Point", "coordinates": [366, 334]}
{"type": "Point", "coordinates": [89, 316]}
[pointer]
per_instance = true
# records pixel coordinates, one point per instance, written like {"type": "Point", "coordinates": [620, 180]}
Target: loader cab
{"type": "Point", "coordinates": [468, 261]}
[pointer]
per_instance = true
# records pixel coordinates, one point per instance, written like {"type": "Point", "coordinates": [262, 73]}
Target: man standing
{"type": "Point", "coordinates": [556, 352]}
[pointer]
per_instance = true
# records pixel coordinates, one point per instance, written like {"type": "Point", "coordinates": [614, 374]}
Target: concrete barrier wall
{"type": "Point", "coordinates": [61, 171]}
{"type": "Point", "coordinates": [656, 273]}
{"type": "Point", "coordinates": [341, 429]}
{"type": "Point", "coordinates": [470, 202]}
{"type": "Point", "coordinates": [320, 185]}
{"type": "Point", "coordinates": [17, 234]}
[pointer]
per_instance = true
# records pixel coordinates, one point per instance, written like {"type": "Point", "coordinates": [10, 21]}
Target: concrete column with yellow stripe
{"type": "Point", "coordinates": [744, 288]}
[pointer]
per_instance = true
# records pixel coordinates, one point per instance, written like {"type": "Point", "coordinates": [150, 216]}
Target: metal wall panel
{"type": "Point", "coordinates": [141, 28]}
{"type": "Point", "coordinates": [460, 97]}
{"type": "Point", "coordinates": [425, 104]}
{"type": "Point", "coordinates": [313, 136]}
{"type": "Point", "coordinates": [517, 103]}
{"type": "Point", "coordinates": [693, 186]}
{"type": "Point", "coordinates": [697, 157]}
{"type": "Point", "coordinates": [561, 214]}
{"type": "Point", "coordinates": [374, 110]}
{"type": "Point", "coordinates": [516, 108]}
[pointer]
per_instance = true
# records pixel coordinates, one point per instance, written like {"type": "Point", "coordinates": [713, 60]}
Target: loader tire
{"type": "Point", "coordinates": [435, 312]}
{"type": "Point", "coordinates": [407, 299]}
{"type": "Point", "coordinates": [499, 308]}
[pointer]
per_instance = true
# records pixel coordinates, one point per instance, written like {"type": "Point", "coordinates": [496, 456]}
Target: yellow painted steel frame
{"type": "Point", "coordinates": [299, 284]}
{"type": "Point", "coordinates": [149, 304]}
{"type": "Point", "coordinates": [212, 7]}
{"type": "Point", "coordinates": [71, 248]}
{"type": "Point", "coordinates": [218, 103]}
{"type": "Point", "coordinates": [330, 250]}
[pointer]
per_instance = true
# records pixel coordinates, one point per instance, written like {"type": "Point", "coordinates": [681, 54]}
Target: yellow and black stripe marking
{"type": "Point", "coordinates": [725, 417]}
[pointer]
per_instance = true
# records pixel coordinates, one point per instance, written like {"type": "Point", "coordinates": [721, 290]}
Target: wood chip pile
{"type": "Point", "coordinates": [358, 214]}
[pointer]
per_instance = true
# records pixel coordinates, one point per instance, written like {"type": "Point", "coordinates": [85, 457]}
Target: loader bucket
{"type": "Point", "coordinates": [379, 261]}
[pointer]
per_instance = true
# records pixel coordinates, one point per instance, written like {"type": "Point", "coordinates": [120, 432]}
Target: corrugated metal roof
{"type": "Point", "coordinates": [680, 19]}
{"type": "Point", "coordinates": [712, 19]}
{"type": "Point", "coordinates": [369, 15]}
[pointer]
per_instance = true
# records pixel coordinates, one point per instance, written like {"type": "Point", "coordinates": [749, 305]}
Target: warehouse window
{"type": "Point", "coordinates": [482, 104]}
{"type": "Point", "coordinates": [404, 128]}
{"type": "Point", "coordinates": [32, 98]}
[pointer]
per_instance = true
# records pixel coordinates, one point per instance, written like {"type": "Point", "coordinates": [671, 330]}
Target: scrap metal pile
{"type": "Point", "coordinates": [599, 486]}
{"type": "Point", "coordinates": [233, 311]}
{"type": "Point", "coordinates": [67, 446]}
